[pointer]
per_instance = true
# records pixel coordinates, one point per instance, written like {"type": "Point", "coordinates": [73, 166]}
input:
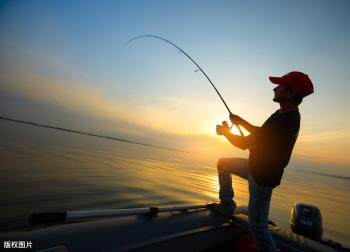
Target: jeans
{"type": "Point", "coordinates": [259, 200]}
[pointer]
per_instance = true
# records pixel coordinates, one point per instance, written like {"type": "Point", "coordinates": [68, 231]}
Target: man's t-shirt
{"type": "Point", "coordinates": [275, 140]}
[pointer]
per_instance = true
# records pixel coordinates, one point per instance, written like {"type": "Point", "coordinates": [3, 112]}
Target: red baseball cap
{"type": "Point", "coordinates": [298, 81]}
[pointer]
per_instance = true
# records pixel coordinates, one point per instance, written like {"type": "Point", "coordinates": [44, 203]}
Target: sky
{"type": "Point", "coordinates": [63, 63]}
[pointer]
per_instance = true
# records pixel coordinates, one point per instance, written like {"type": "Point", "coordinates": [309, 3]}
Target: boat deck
{"type": "Point", "coordinates": [186, 230]}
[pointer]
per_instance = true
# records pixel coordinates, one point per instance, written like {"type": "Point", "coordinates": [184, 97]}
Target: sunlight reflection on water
{"type": "Point", "coordinates": [69, 172]}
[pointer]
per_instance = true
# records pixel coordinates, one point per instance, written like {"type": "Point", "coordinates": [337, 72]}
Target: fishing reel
{"type": "Point", "coordinates": [225, 124]}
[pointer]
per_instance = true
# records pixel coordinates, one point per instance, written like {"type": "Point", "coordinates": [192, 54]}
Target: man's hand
{"type": "Point", "coordinates": [222, 129]}
{"type": "Point", "coordinates": [235, 119]}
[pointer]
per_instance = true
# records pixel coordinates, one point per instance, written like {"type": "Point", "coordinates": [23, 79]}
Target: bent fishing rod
{"type": "Point", "coordinates": [189, 57]}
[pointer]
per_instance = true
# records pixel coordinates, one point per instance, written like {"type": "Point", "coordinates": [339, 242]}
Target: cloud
{"type": "Point", "coordinates": [92, 107]}
{"type": "Point", "coordinates": [70, 94]}
{"type": "Point", "coordinates": [329, 147]}
{"type": "Point", "coordinates": [171, 120]}
{"type": "Point", "coordinates": [178, 115]}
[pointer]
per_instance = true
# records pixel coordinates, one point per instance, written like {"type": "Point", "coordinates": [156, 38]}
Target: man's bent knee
{"type": "Point", "coordinates": [221, 164]}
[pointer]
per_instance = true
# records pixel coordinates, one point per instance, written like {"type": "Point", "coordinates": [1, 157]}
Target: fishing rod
{"type": "Point", "coordinates": [188, 56]}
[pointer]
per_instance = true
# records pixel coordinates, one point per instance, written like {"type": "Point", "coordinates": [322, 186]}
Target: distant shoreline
{"type": "Point", "coordinates": [323, 174]}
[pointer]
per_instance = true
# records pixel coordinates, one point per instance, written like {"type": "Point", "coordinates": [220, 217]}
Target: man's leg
{"type": "Point", "coordinates": [258, 210]}
{"type": "Point", "coordinates": [226, 167]}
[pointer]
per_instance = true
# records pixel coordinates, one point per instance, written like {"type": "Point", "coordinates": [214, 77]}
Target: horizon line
{"type": "Point", "coordinates": [92, 134]}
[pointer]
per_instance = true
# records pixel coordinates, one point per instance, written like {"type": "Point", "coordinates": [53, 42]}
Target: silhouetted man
{"type": "Point", "coordinates": [270, 148]}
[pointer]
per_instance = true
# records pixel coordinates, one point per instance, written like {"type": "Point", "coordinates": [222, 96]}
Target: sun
{"type": "Point", "coordinates": [234, 130]}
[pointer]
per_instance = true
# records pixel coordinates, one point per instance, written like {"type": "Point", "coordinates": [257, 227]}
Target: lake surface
{"type": "Point", "coordinates": [48, 170]}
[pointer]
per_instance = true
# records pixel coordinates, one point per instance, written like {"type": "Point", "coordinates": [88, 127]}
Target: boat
{"type": "Point", "coordinates": [184, 227]}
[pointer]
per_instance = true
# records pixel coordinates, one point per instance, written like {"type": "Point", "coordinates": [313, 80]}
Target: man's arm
{"type": "Point", "coordinates": [242, 142]}
{"type": "Point", "coordinates": [235, 119]}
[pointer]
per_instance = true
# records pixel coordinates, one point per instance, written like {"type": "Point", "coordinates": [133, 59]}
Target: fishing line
{"type": "Point", "coordinates": [189, 57]}
{"type": "Point", "coordinates": [89, 134]}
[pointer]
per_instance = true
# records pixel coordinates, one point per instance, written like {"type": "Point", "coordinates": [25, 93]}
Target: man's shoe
{"type": "Point", "coordinates": [223, 209]}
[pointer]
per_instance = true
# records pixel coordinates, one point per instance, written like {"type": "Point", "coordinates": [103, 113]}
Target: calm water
{"type": "Point", "coordinates": [46, 170]}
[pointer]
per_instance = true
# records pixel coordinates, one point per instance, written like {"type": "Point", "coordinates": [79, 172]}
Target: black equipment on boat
{"type": "Point", "coordinates": [306, 220]}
